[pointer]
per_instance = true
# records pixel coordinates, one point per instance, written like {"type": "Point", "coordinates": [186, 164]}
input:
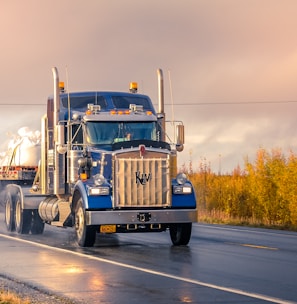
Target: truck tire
{"type": "Point", "coordinates": [37, 225]}
{"type": "Point", "coordinates": [85, 235]}
{"type": "Point", "coordinates": [9, 212]}
{"type": "Point", "coordinates": [23, 217]}
{"type": "Point", "coordinates": [180, 234]}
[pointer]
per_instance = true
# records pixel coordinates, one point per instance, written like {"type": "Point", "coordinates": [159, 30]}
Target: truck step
{"type": "Point", "coordinates": [64, 212]}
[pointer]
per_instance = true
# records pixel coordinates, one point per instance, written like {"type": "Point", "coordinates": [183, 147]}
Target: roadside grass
{"type": "Point", "coordinates": [220, 217]}
{"type": "Point", "coordinates": [7, 297]}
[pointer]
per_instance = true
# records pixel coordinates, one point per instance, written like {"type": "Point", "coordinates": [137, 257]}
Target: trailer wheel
{"type": "Point", "coordinates": [23, 217]}
{"type": "Point", "coordinates": [9, 212]}
{"type": "Point", "coordinates": [37, 225]}
{"type": "Point", "coordinates": [180, 234]}
{"type": "Point", "coordinates": [85, 235]}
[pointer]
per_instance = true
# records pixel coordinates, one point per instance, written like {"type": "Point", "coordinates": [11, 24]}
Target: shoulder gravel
{"type": "Point", "coordinates": [32, 293]}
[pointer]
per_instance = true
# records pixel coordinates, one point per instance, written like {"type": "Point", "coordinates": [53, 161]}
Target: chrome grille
{"type": "Point", "coordinates": [142, 182]}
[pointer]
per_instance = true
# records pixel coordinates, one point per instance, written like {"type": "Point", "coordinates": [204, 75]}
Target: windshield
{"type": "Point", "coordinates": [102, 133]}
{"type": "Point", "coordinates": [123, 102]}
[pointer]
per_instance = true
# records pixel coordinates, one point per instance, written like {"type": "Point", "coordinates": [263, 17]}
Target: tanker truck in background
{"type": "Point", "coordinates": [105, 167]}
{"type": "Point", "coordinates": [19, 163]}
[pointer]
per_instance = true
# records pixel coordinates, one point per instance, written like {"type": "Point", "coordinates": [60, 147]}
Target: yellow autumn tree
{"type": "Point", "coordinates": [290, 181]}
{"type": "Point", "coordinates": [263, 192]}
{"type": "Point", "coordinates": [267, 187]}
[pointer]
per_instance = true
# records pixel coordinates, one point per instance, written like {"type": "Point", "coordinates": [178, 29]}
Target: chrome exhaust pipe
{"type": "Point", "coordinates": [59, 175]}
{"type": "Point", "coordinates": [56, 96]}
{"type": "Point", "coordinates": [160, 90]}
{"type": "Point", "coordinates": [161, 112]}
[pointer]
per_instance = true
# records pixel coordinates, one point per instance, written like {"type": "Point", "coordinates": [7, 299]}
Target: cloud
{"type": "Point", "coordinates": [240, 54]}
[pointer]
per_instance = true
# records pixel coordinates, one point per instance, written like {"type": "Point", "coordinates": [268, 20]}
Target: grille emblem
{"type": "Point", "coordinates": [141, 150]}
{"type": "Point", "coordinates": [142, 178]}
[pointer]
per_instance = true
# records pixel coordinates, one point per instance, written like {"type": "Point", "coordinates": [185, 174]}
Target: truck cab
{"type": "Point", "coordinates": [106, 168]}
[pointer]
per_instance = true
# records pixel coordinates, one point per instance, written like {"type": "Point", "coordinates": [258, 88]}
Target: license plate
{"type": "Point", "coordinates": [108, 228]}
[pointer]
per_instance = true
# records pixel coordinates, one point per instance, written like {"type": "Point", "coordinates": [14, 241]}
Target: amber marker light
{"type": "Point", "coordinates": [83, 176]}
{"type": "Point", "coordinates": [61, 86]}
{"type": "Point", "coordinates": [133, 87]}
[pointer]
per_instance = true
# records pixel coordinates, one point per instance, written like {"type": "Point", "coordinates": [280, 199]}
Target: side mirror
{"type": "Point", "coordinates": [180, 137]}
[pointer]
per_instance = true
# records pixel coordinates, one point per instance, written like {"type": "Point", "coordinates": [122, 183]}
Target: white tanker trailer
{"type": "Point", "coordinates": [19, 163]}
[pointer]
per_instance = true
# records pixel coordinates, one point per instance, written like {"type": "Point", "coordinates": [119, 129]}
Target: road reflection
{"type": "Point", "coordinates": [75, 272]}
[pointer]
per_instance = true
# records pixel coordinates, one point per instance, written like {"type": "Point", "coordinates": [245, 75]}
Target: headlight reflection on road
{"type": "Point", "coordinates": [73, 270]}
{"type": "Point", "coordinates": [77, 271]}
{"type": "Point", "coordinates": [186, 300]}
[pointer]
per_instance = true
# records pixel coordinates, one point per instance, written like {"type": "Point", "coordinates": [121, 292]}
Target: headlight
{"type": "Point", "coordinates": [98, 191]}
{"type": "Point", "coordinates": [182, 190]}
{"type": "Point", "coordinates": [181, 178]}
{"type": "Point", "coordinates": [99, 179]}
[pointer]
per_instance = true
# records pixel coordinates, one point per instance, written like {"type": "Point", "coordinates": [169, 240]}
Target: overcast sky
{"type": "Point", "coordinates": [232, 66]}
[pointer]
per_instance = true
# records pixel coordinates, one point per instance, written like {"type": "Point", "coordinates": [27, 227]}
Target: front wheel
{"type": "Point", "coordinates": [180, 234]}
{"type": "Point", "coordinates": [85, 235]}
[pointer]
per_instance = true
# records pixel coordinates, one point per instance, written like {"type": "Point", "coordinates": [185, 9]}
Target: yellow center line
{"type": "Point", "coordinates": [254, 246]}
{"type": "Point", "coordinates": [258, 246]}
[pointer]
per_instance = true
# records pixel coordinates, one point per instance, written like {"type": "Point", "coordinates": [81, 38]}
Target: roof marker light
{"type": "Point", "coordinates": [133, 87]}
{"type": "Point", "coordinates": [61, 86]}
{"type": "Point", "coordinates": [135, 108]}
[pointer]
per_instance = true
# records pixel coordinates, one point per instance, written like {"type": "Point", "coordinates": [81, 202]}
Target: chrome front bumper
{"type": "Point", "coordinates": [140, 217]}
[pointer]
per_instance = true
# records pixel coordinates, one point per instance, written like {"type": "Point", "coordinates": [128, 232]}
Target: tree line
{"type": "Point", "coordinates": [263, 192]}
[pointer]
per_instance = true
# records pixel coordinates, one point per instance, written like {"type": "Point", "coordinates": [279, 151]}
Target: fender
{"type": "Point", "coordinates": [81, 188]}
{"type": "Point", "coordinates": [184, 200]}
{"type": "Point", "coordinates": [28, 200]}
{"type": "Point", "coordinates": [96, 202]}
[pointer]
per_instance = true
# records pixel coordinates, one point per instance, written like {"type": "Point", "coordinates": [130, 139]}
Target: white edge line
{"type": "Point", "coordinates": [248, 229]}
{"type": "Point", "coordinates": [158, 273]}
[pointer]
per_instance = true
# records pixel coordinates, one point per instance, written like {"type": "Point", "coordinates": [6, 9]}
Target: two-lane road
{"type": "Point", "coordinates": [222, 264]}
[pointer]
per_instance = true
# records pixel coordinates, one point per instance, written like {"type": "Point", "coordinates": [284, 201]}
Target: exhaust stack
{"type": "Point", "coordinates": [161, 112]}
{"type": "Point", "coordinates": [56, 96]}
{"type": "Point", "coordinates": [59, 168]}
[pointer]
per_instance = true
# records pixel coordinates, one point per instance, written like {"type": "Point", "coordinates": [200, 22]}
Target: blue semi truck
{"type": "Point", "coordinates": [105, 167]}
